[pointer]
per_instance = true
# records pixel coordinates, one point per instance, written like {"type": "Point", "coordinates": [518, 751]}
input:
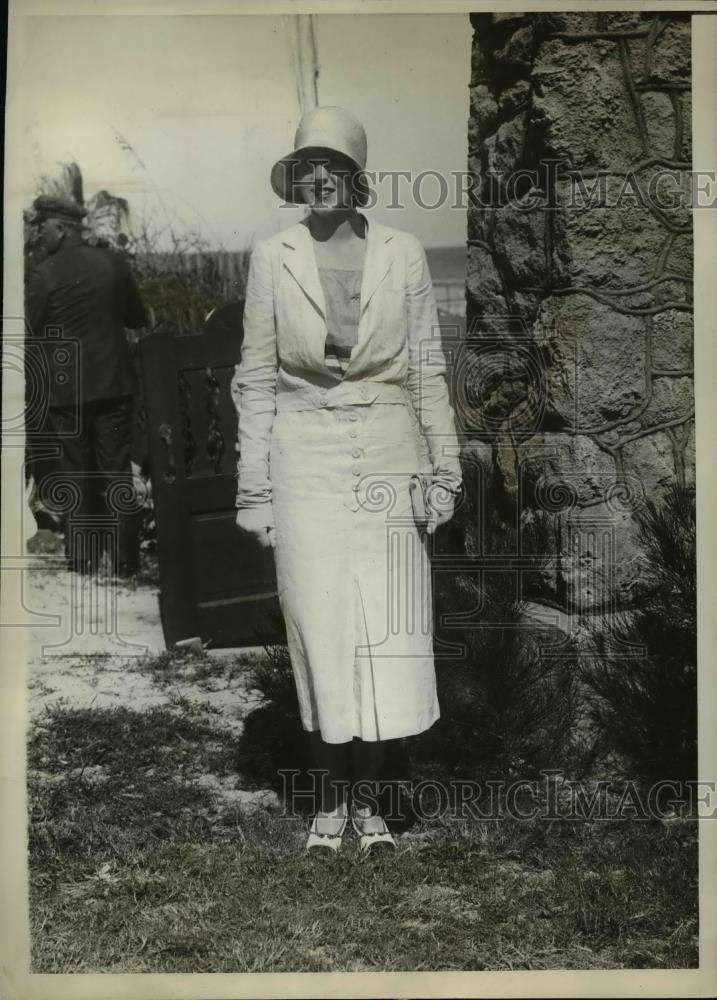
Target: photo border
{"type": "Point", "coordinates": [15, 980]}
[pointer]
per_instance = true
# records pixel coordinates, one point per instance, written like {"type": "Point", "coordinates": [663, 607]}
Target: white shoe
{"type": "Point", "coordinates": [372, 830]}
{"type": "Point", "coordinates": [327, 829]}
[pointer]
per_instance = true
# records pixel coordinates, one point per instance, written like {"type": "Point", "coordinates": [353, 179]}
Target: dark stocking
{"type": "Point", "coordinates": [368, 759]}
{"type": "Point", "coordinates": [332, 758]}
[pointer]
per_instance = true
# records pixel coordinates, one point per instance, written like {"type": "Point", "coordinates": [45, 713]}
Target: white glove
{"type": "Point", "coordinates": [259, 523]}
{"type": "Point", "coordinates": [441, 503]}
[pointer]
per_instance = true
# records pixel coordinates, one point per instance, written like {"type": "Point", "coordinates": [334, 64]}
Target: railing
{"type": "Point", "coordinates": [451, 296]}
{"type": "Point", "coordinates": [228, 268]}
{"type": "Point", "coordinates": [223, 275]}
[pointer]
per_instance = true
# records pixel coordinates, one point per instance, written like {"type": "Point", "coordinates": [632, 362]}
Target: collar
{"type": "Point", "coordinates": [295, 236]}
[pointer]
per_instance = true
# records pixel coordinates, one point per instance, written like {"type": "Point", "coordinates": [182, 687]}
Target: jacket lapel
{"type": "Point", "coordinates": [299, 259]}
{"type": "Point", "coordinates": [378, 261]}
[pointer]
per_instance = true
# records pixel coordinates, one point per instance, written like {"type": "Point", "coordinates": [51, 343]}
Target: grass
{"type": "Point", "coordinates": [139, 864]}
{"type": "Point", "coordinates": [196, 667]}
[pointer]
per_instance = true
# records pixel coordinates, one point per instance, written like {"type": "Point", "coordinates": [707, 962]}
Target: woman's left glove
{"type": "Point", "coordinates": [441, 502]}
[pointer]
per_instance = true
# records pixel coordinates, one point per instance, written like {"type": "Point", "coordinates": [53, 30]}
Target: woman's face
{"type": "Point", "coordinates": [325, 180]}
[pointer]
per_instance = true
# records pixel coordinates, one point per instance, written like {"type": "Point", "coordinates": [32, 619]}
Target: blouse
{"type": "Point", "coordinates": [342, 292]}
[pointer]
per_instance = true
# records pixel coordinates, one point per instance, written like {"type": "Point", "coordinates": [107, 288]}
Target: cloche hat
{"type": "Point", "coordinates": [328, 127]}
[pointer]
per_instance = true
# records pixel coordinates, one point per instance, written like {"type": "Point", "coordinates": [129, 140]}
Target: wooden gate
{"type": "Point", "coordinates": [215, 582]}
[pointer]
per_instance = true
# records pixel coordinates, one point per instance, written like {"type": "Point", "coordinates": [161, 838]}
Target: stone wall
{"type": "Point", "coordinates": [577, 389]}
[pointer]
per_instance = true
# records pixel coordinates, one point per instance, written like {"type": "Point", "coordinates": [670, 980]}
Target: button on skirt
{"type": "Point", "coordinates": [353, 572]}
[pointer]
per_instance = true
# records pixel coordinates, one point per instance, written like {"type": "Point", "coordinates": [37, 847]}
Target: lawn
{"type": "Point", "coordinates": [151, 851]}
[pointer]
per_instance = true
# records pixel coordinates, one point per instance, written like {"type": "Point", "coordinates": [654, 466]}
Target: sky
{"type": "Point", "coordinates": [184, 115]}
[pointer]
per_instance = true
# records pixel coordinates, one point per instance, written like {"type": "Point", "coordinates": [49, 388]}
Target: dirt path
{"type": "Point", "coordinates": [98, 641]}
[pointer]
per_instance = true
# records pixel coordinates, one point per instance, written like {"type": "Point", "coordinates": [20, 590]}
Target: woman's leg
{"type": "Point", "coordinates": [368, 758]}
{"type": "Point", "coordinates": [332, 758]}
{"type": "Point", "coordinates": [366, 804]}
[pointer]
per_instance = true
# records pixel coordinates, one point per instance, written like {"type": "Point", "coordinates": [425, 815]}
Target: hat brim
{"type": "Point", "coordinates": [283, 180]}
{"type": "Point", "coordinates": [75, 220]}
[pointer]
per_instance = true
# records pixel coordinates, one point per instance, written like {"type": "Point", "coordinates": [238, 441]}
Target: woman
{"type": "Point", "coordinates": [341, 384]}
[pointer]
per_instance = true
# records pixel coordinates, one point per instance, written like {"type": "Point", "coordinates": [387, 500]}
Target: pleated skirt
{"type": "Point", "coordinates": [353, 572]}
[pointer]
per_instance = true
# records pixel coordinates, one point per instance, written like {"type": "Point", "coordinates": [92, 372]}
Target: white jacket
{"type": "Point", "coordinates": [282, 364]}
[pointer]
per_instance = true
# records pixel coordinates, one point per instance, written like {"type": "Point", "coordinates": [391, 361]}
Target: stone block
{"type": "Point", "coordinates": [672, 52]}
{"type": "Point", "coordinates": [680, 259]}
{"type": "Point", "coordinates": [519, 244]}
{"type": "Point", "coordinates": [580, 105]}
{"type": "Point", "coordinates": [575, 22]}
{"type": "Point", "coordinates": [626, 20]}
{"type": "Point", "coordinates": [595, 361]}
{"type": "Point", "coordinates": [670, 399]}
{"type": "Point", "coordinates": [513, 98]}
{"type": "Point", "coordinates": [503, 149]}
{"type": "Point", "coordinates": [515, 57]}
{"type": "Point", "coordinates": [607, 244]}
{"type": "Point", "coordinates": [483, 113]}
{"type": "Point", "coordinates": [556, 470]}
{"type": "Point", "coordinates": [651, 459]}
{"type": "Point", "coordinates": [592, 549]}
{"type": "Point", "coordinates": [659, 116]}
{"type": "Point", "coordinates": [672, 341]}
{"type": "Point", "coordinates": [484, 284]}
{"type": "Point", "coordinates": [602, 563]}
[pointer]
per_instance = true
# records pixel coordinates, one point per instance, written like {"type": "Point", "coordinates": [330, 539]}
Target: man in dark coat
{"type": "Point", "coordinates": [79, 299]}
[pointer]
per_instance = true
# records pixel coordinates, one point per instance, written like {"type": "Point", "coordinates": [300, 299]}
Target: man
{"type": "Point", "coordinates": [79, 299]}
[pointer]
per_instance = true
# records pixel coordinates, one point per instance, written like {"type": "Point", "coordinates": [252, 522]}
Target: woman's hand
{"type": "Point", "coordinates": [441, 504]}
{"type": "Point", "coordinates": [259, 524]}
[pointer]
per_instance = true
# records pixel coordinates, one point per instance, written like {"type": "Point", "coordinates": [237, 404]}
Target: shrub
{"type": "Point", "coordinates": [643, 674]}
{"type": "Point", "coordinates": [273, 676]}
{"type": "Point", "coordinates": [273, 737]}
{"type": "Point", "coordinates": [508, 705]}
{"type": "Point", "coordinates": [181, 285]}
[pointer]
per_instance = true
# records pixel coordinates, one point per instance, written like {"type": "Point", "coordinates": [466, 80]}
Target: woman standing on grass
{"type": "Point", "coordinates": [341, 362]}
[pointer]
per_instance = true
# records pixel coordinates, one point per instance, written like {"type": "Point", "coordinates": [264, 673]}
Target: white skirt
{"type": "Point", "coordinates": [353, 572]}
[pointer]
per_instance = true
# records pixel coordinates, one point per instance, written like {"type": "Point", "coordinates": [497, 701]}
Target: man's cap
{"type": "Point", "coordinates": [49, 207]}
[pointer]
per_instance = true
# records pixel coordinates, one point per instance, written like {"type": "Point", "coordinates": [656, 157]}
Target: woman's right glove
{"type": "Point", "coordinates": [259, 523]}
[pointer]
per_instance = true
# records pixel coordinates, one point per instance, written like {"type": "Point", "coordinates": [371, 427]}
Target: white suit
{"type": "Point", "coordinates": [328, 462]}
